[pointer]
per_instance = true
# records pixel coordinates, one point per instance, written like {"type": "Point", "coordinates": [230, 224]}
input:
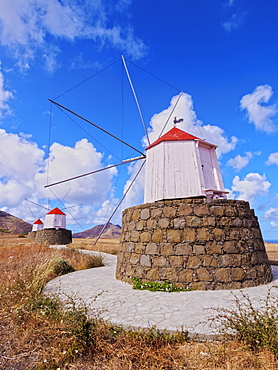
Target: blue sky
{"type": "Point", "coordinates": [222, 54]}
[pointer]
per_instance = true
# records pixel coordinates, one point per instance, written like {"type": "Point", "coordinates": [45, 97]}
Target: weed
{"type": "Point", "coordinates": [256, 327]}
{"type": "Point", "coordinates": [154, 286]}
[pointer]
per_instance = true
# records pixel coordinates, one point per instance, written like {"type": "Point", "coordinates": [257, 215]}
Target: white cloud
{"type": "Point", "coordinates": [29, 27]}
{"type": "Point", "coordinates": [272, 159]}
{"type": "Point", "coordinates": [24, 172]}
{"type": "Point", "coordinates": [5, 96]}
{"type": "Point", "coordinates": [67, 162]}
{"type": "Point", "coordinates": [184, 109]}
{"type": "Point", "coordinates": [234, 22]}
{"type": "Point", "coordinates": [258, 113]}
{"type": "Point", "coordinates": [20, 160]}
{"type": "Point", "coordinates": [271, 213]}
{"type": "Point", "coordinates": [239, 161]}
{"type": "Point", "coordinates": [252, 186]}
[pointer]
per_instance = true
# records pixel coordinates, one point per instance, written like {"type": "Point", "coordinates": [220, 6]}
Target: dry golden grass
{"type": "Point", "coordinates": [272, 252]}
{"type": "Point", "coordinates": [37, 332]}
{"type": "Point", "coordinates": [103, 245]}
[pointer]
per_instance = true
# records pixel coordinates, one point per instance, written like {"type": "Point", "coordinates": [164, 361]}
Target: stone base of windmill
{"type": "Point", "coordinates": [199, 243]}
{"type": "Point", "coordinates": [54, 236]}
{"type": "Point", "coordinates": [31, 235]}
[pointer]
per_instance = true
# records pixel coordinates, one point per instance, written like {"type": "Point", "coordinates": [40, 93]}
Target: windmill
{"type": "Point", "coordinates": [140, 154]}
{"type": "Point", "coordinates": [186, 231]}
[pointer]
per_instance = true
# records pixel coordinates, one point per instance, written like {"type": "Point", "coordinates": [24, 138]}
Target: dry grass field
{"type": "Point", "coordinates": [38, 332]}
{"type": "Point", "coordinates": [272, 252]}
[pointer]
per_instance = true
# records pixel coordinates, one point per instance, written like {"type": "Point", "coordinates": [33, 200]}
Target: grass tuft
{"type": "Point", "coordinates": [255, 327]}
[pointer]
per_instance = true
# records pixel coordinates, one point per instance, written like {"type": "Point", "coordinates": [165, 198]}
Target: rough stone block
{"type": "Point", "coordinates": [194, 221]}
{"type": "Point", "coordinates": [212, 248]}
{"type": "Point", "coordinates": [169, 274]}
{"type": "Point", "coordinates": [210, 261]}
{"type": "Point", "coordinates": [230, 246]}
{"type": "Point", "coordinates": [194, 262]}
{"type": "Point", "coordinates": [200, 285]}
{"type": "Point", "coordinates": [224, 260]}
{"type": "Point", "coordinates": [218, 234]}
{"type": "Point", "coordinates": [222, 275]}
{"type": "Point", "coordinates": [163, 223]}
{"type": "Point", "coordinates": [185, 210]}
{"type": "Point", "coordinates": [130, 247]}
{"type": "Point", "coordinates": [173, 236]}
{"type": "Point", "coordinates": [169, 212]}
{"type": "Point", "coordinates": [134, 236]}
{"type": "Point", "coordinates": [167, 249]}
{"type": "Point", "coordinates": [188, 235]}
{"type": "Point", "coordinates": [202, 234]}
{"type": "Point", "coordinates": [151, 223]}
{"type": "Point", "coordinates": [153, 274]}
{"type": "Point", "coordinates": [159, 261]}
{"type": "Point", "coordinates": [184, 249]}
{"type": "Point", "coordinates": [186, 276]}
{"type": "Point", "coordinates": [151, 248]}
{"type": "Point", "coordinates": [176, 261]}
{"type": "Point", "coordinates": [203, 274]}
{"type": "Point", "coordinates": [136, 214]}
{"type": "Point", "coordinates": [179, 223]}
{"type": "Point", "coordinates": [157, 236]}
{"type": "Point", "coordinates": [134, 258]}
{"type": "Point", "coordinates": [217, 210]}
{"type": "Point", "coordinates": [139, 248]}
{"type": "Point", "coordinates": [145, 213]}
{"type": "Point", "coordinates": [156, 213]}
{"type": "Point", "coordinates": [145, 261]}
{"type": "Point", "coordinates": [198, 249]}
{"type": "Point", "coordinates": [201, 210]}
{"type": "Point", "coordinates": [145, 237]}
{"type": "Point", "coordinates": [209, 221]}
{"type": "Point", "coordinates": [140, 225]}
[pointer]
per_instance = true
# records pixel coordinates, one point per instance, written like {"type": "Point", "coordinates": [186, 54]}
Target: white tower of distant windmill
{"type": "Point", "coordinates": [37, 225]}
{"type": "Point", "coordinates": [180, 165]}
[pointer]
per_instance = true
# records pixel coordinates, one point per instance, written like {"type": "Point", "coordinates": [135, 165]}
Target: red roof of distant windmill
{"type": "Point", "coordinates": [173, 135]}
{"type": "Point", "coordinates": [38, 222]}
{"type": "Point", "coordinates": [56, 211]}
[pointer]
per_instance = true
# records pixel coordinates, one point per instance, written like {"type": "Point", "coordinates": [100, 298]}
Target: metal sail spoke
{"type": "Point", "coordinates": [136, 99]}
{"type": "Point", "coordinates": [28, 200]}
{"type": "Point", "coordinates": [96, 171]}
{"type": "Point", "coordinates": [123, 197]}
{"type": "Point", "coordinates": [93, 124]}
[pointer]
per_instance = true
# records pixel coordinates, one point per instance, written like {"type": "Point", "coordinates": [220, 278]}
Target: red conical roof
{"type": "Point", "coordinates": [38, 222]}
{"type": "Point", "coordinates": [56, 211]}
{"type": "Point", "coordinates": [173, 135]}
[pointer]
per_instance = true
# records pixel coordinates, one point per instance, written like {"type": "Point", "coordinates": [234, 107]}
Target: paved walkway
{"type": "Point", "coordinates": [118, 303]}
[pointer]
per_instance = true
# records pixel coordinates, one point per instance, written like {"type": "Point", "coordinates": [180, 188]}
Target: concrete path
{"type": "Point", "coordinates": [119, 304]}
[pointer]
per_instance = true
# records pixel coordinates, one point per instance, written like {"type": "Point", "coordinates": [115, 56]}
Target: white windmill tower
{"type": "Point", "coordinates": [55, 219]}
{"type": "Point", "coordinates": [180, 165]}
{"type": "Point", "coordinates": [37, 225]}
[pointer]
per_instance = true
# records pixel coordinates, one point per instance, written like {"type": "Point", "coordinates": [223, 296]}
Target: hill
{"type": "Point", "coordinates": [111, 232]}
{"type": "Point", "coordinates": [12, 224]}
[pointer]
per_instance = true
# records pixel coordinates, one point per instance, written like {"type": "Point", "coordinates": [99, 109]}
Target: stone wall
{"type": "Point", "coordinates": [53, 236]}
{"type": "Point", "coordinates": [193, 242]}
